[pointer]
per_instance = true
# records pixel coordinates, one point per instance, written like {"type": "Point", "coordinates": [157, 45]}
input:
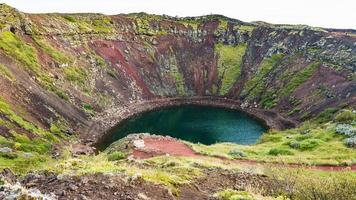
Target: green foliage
{"type": "Point", "coordinates": [88, 107]}
{"type": "Point", "coordinates": [27, 55]}
{"type": "Point", "coordinates": [13, 117]}
{"type": "Point", "coordinates": [310, 185]}
{"type": "Point", "coordinates": [299, 78]}
{"type": "Point", "coordinates": [55, 129]}
{"type": "Point", "coordinates": [256, 85]}
{"type": "Point", "coordinates": [179, 79]}
{"type": "Point", "coordinates": [309, 144]}
{"type": "Point", "coordinates": [237, 153]}
{"type": "Point", "coordinates": [15, 47]}
{"type": "Point", "coordinates": [280, 151]}
{"type": "Point", "coordinates": [22, 164]}
{"type": "Point", "coordinates": [229, 64]}
{"type": "Point", "coordinates": [230, 194]}
{"type": "Point", "coordinates": [116, 155]}
{"type": "Point", "coordinates": [10, 155]}
{"type": "Point", "coordinates": [326, 116]}
{"type": "Point", "coordinates": [91, 23]}
{"type": "Point", "coordinates": [345, 116]}
{"type": "Point", "coordinates": [54, 53]}
{"type": "Point", "coordinates": [268, 99]}
{"type": "Point", "coordinates": [76, 75]}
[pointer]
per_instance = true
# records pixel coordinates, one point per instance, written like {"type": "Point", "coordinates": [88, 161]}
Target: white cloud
{"type": "Point", "coordinates": [324, 13]}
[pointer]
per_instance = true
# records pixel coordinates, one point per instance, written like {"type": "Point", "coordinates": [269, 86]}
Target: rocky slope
{"type": "Point", "coordinates": [64, 73]}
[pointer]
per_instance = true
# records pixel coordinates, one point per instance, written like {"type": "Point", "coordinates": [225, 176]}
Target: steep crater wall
{"type": "Point", "coordinates": [73, 71]}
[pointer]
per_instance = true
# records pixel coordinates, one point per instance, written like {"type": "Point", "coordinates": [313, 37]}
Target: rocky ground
{"type": "Point", "coordinates": [100, 186]}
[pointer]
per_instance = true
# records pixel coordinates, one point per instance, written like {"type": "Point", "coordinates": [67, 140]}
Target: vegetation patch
{"type": "Point", "coordinates": [299, 78]}
{"type": "Point", "coordinates": [308, 185]}
{"type": "Point", "coordinates": [257, 83]}
{"type": "Point", "coordinates": [19, 50]}
{"type": "Point", "coordinates": [230, 194]}
{"type": "Point", "coordinates": [229, 64]}
{"type": "Point", "coordinates": [5, 72]}
{"type": "Point", "coordinates": [345, 116]}
{"type": "Point", "coordinates": [117, 155]}
{"type": "Point", "coordinates": [311, 144]}
{"type": "Point", "coordinates": [76, 75]}
{"type": "Point", "coordinates": [58, 56]}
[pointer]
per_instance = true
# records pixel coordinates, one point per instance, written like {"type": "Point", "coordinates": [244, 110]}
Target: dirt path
{"type": "Point", "coordinates": [157, 146]}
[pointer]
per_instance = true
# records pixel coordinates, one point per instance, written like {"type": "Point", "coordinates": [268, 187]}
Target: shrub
{"type": "Point", "coordinates": [326, 116]}
{"type": "Point", "coordinates": [303, 185]}
{"type": "Point", "coordinates": [350, 142]}
{"type": "Point", "coordinates": [294, 144]}
{"type": "Point", "coordinates": [9, 155]}
{"type": "Point", "coordinates": [309, 144]}
{"type": "Point", "coordinates": [280, 151]}
{"type": "Point", "coordinates": [88, 107]}
{"type": "Point", "coordinates": [345, 129]}
{"type": "Point", "coordinates": [117, 155]}
{"type": "Point", "coordinates": [345, 116]}
{"type": "Point", "coordinates": [237, 153]}
{"type": "Point", "coordinates": [230, 194]}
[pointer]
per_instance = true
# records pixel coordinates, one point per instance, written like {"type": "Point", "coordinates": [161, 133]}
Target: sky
{"type": "Point", "coordinates": [321, 13]}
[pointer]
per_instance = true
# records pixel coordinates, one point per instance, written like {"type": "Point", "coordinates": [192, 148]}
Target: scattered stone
{"type": "Point", "coordinates": [139, 144]}
{"type": "Point", "coordinates": [5, 150]}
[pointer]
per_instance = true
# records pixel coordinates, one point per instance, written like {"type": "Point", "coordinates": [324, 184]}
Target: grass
{"type": "Point", "coordinates": [309, 144]}
{"type": "Point", "coordinates": [76, 75]}
{"type": "Point", "coordinates": [299, 78]}
{"type": "Point", "coordinates": [58, 56]}
{"type": "Point", "coordinates": [230, 194]}
{"type": "Point", "coordinates": [117, 155]}
{"type": "Point", "coordinates": [15, 47]}
{"type": "Point", "coordinates": [309, 185]}
{"type": "Point", "coordinates": [27, 56]}
{"type": "Point", "coordinates": [256, 85]}
{"type": "Point", "coordinates": [179, 79]}
{"type": "Point", "coordinates": [5, 72]}
{"type": "Point", "coordinates": [38, 147]}
{"type": "Point", "coordinates": [13, 117]}
{"type": "Point", "coordinates": [229, 64]}
{"type": "Point", "coordinates": [91, 23]}
{"type": "Point", "coordinates": [166, 170]}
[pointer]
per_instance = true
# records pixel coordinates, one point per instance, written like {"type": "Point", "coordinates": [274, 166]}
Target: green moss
{"type": "Point", "coordinates": [58, 56]}
{"type": "Point", "coordinates": [179, 80]}
{"type": "Point", "coordinates": [76, 75]}
{"type": "Point", "coordinates": [5, 72]}
{"type": "Point", "coordinates": [27, 55]}
{"type": "Point", "coordinates": [16, 48]}
{"type": "Point", "coordinates": [256, 85]}
{"type": "Point", "coordinates": [229, 64]}
{"type": "Point", "coordinates": [299, 78]}
{"type": "Point", "coordinates": [13, 117]}
{"type": "Point", "coordinates": [174, 72]}
{"type": "Point", "coordinates": [90, 23]}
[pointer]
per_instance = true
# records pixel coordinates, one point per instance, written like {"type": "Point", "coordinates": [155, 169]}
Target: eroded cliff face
{"type": "Point", "coordinates": [66, 72]}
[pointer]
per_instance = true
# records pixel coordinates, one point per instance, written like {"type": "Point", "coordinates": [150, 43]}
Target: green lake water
{"type": "Point", "coordinates": [206, 125]}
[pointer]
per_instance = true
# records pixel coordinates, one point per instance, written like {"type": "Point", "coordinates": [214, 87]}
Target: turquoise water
{"type": "Point", "coordinates": [206, 125]}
